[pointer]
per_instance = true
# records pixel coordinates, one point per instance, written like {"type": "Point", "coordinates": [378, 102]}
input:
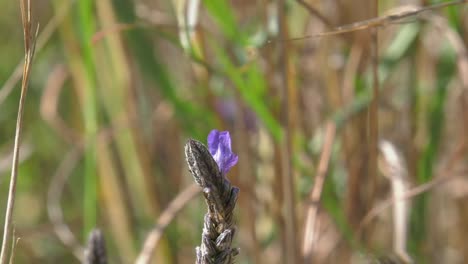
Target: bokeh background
{"type": "Point", "coordinates": [118, 86]}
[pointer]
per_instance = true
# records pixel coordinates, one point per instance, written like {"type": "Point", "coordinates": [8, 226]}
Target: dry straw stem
{"type": "Point", "coordinates": [221, 197]}
{"type": "Point", "coordinates": [29, 46]}
{"type": "Point", "coordinates": [288, 116]}
{"type": "Point", "coordinates": [310, 229]}
{"type": "Point", "coordinates": [6, 159]}
{"type": "Point", "coordinates": [373, 110]}
{"type": "Point", "coordinates": [164, 220]}
{"type": "Point", "coordinates": [394, 169]}
{"type": "Point", "coordinates": [46, 34]}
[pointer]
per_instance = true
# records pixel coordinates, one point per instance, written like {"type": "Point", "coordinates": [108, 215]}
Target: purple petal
{"type": "Point", "coordinates": [219, 145]}
{"type": "Point", "coordinates": [213, 141]}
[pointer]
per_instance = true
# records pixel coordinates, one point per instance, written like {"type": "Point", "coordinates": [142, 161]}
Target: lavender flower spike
{"type": "Point", "coordinates": [219, 145]}
{"type": "Point", "coordinates": [208, 170]}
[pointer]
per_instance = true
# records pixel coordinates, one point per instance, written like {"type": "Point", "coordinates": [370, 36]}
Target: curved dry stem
{"type": "Point", "coordinates": [54, 195]}
{"type": "Point", "coordinates": [164, 220]}
{"type": "Point", "coordinates": [394, 169]}
{"type": "Point", "coordinates": [439, 180]}
{"type": "Point", "coordinates": [49, 104]}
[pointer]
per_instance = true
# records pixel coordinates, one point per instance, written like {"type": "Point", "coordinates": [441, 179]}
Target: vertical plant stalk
{"type": "Point", "coordinates": [221, 197]}
{"type": "Point", "coordinates": [86, 22]}
{"type": "Point", "coordinates": [29, 47]}
{"type": "Point", "coordinates": [373, 112]}
{"type": "Point", "coordinates": [288, 115]}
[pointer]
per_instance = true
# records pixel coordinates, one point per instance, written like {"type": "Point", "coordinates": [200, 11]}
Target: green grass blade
{"type": "Point", "coordinates": [87, 27]}
{"type": "Point", "coordinates": [225, 19]}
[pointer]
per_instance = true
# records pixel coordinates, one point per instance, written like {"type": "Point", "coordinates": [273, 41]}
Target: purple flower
{"type": "Point", "coordinates": [219, 145]}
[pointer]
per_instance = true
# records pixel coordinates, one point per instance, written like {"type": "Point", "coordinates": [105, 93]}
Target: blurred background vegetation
{"type": "Point", "coordinates": [118, 86]}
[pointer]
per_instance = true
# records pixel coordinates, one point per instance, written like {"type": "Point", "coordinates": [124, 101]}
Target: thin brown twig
{"type": "Point", "coordinates": [310, 229]}
{"type": "Point", "coordinates": [378, 21]}
{"type": "Point", "coordinates": [166, 217]}
{"type": "Point", "coordinates": [29, 46]}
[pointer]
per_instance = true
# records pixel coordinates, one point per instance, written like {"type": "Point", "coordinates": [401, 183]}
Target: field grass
{"type": "Point", "coordinates": [349, 119]}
